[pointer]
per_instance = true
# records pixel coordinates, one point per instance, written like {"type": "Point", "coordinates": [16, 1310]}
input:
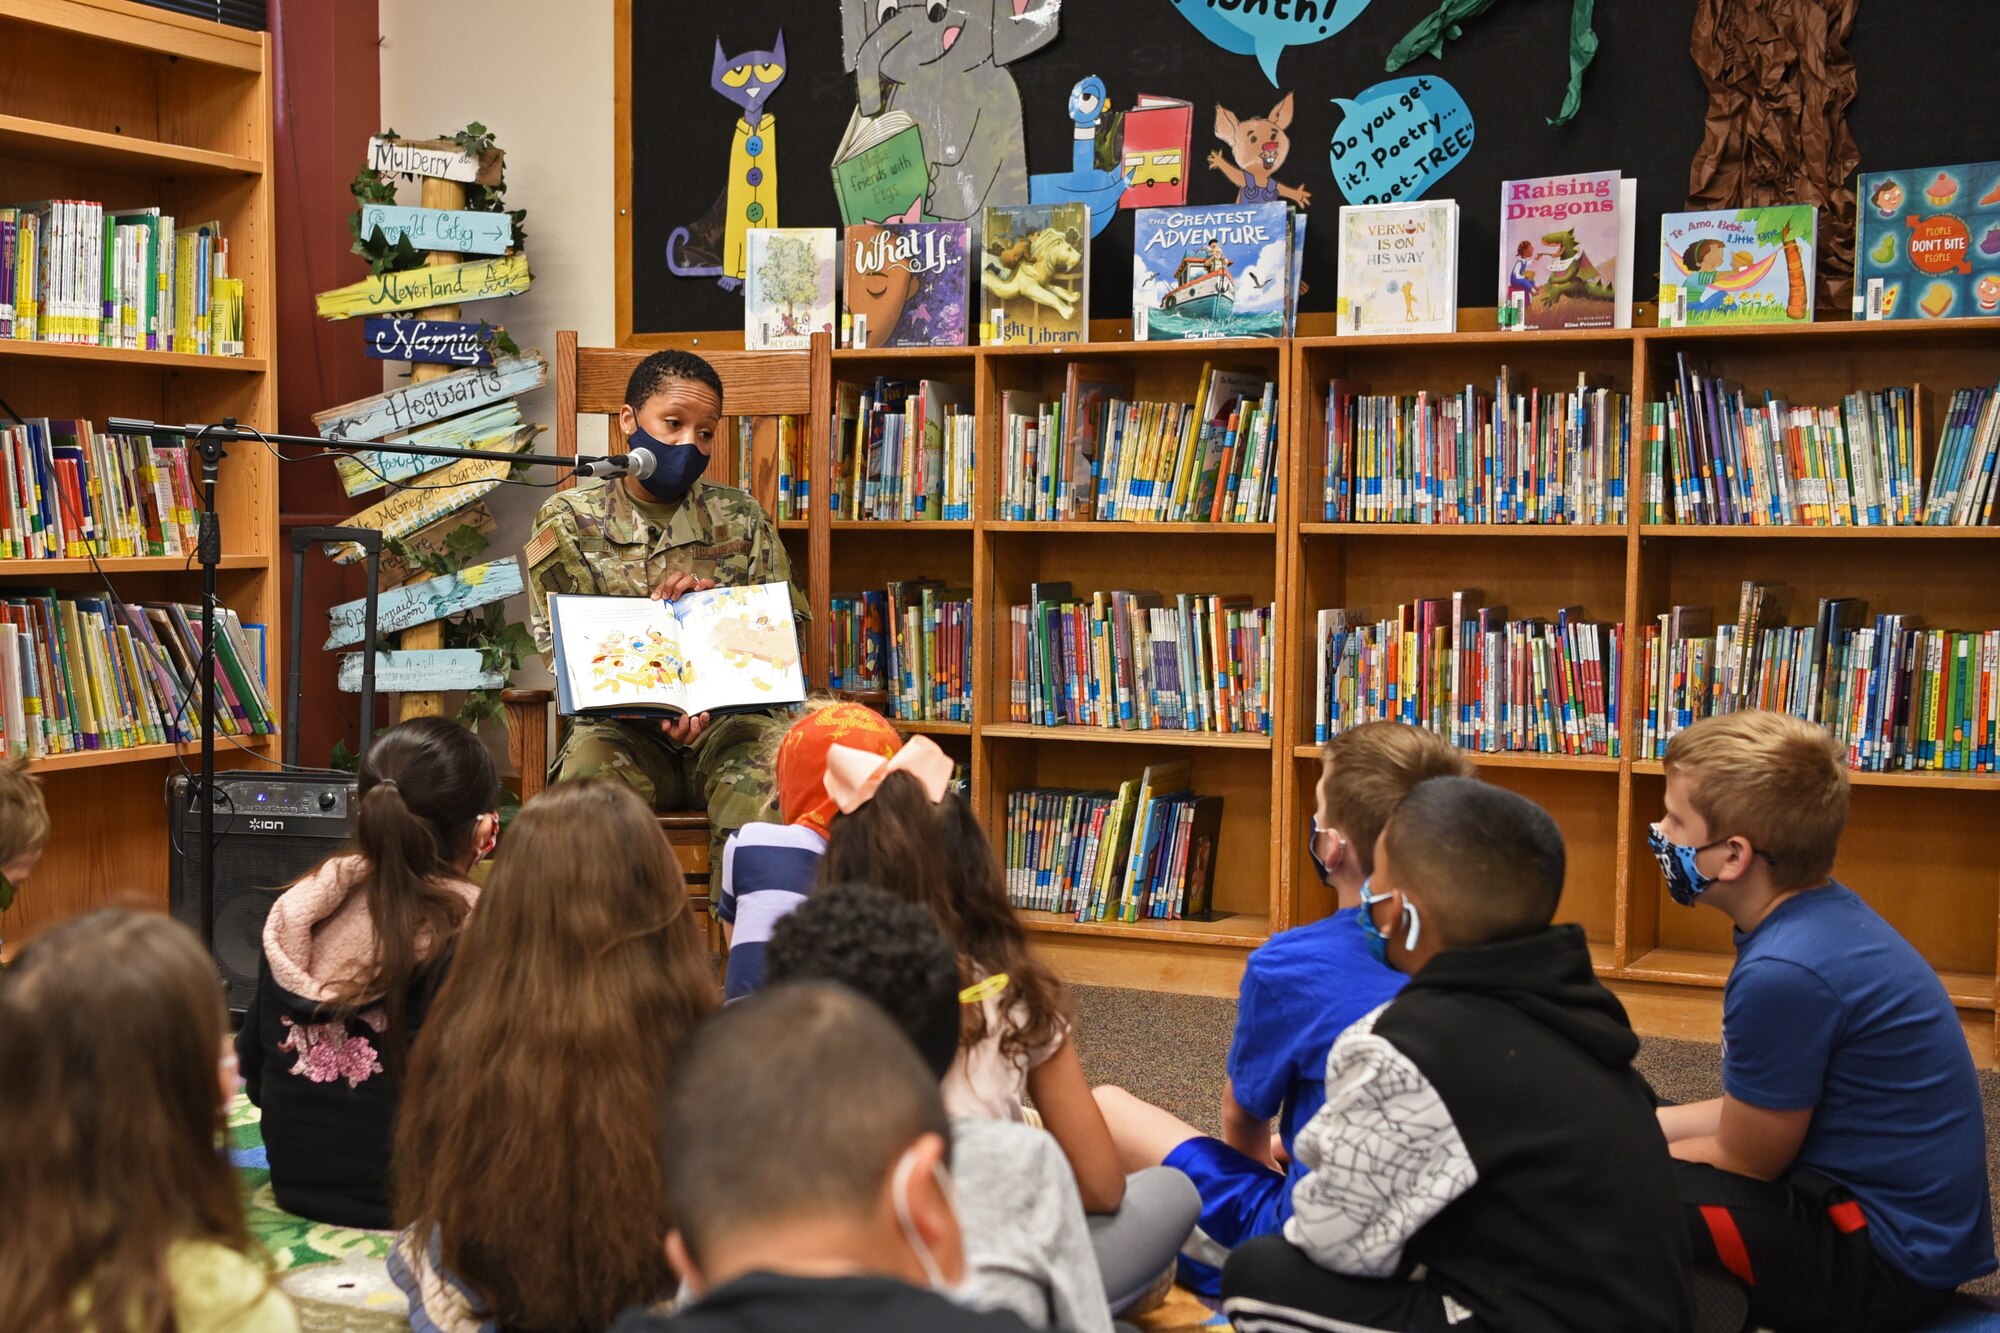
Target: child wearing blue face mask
{"type": "Point", "coordinates": [667, 534]}
{"type": "Point", "coordinates": [1299, 992]}
{"type": "Point", "coordinates": [1487, 1157]}
{"type": "Point", "coordinates": [1841, 1176]}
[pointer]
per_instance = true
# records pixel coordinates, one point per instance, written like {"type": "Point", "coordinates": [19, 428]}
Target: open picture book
{"type": "Point", "coordinates": [715, 651]}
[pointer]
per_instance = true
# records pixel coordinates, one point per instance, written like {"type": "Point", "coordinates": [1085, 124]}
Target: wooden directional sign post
{"type": "Point", "coordinates": [444, 278]}
{"type": "Point", "coordinates": [462, 232]}
{"type": "Point", "coordinates": [436, 159]}
{"type": "Point", "coordinates": [409, 673]}
{"type": "Point", "coordinates": [433, 394]}
{"type": "Point", "coordinates": [426, 601]}
{"type": "Point", "coordinates": [437, 342]}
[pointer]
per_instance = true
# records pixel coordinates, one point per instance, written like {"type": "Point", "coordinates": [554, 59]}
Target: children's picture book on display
{"type": "Point", "coordinates": [788, 287]}
{"type": "Point", "coordinates": [1398, 268]}
{"type": "Point", "coordinates": [1034, 274]}
{"type": "Point", "coordinates": [1927, 243]}
{"type": "Point", "coordinates": [1157, 135]}
{"type": "Point", "coordinates": [713, 651]}
{"type": "Point", "coordinates": [1212, 271]}
{"type": "Point", "coordinates": [905, 284]}
{"type": "Point", "coordinates": [1738, 266]}
{"type": "Point", "coordinates": [1565, 251]}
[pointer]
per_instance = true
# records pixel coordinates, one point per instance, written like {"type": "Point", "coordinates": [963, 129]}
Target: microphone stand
{"type": "Point", "coordinates": [209, 442]}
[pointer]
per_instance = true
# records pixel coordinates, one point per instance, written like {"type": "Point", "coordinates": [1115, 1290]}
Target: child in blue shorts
{"type": "Point", "coordinates": [1841, 1176]}
{"type": "Point", "coordinates": [1299, 992]}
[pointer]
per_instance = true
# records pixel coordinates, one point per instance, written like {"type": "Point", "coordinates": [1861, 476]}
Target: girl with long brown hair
{"type": "Point", "coordinates": [352, 954]}
{"type": "Point", "coordinates": [119, 1211]}
{"type": "Point", "coordinates": [526, 1166]}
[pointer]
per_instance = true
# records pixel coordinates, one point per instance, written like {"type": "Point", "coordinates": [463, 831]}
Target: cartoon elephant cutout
{"type": "Point", "coordinates": [944, 63]}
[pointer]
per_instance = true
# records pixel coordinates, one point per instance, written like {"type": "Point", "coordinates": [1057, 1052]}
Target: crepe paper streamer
{"type": "Point", "coordinates": [1444, 25]}
{"type": "Point", "coordinates": [1268, 31]}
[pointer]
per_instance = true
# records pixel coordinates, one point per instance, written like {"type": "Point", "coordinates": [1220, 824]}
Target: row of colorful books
{"type": "Point", "coordinates": [1516, 455]}
{"type": "Point", "coordinates": [82, 673]}
{"type": "Point", "coordinates": [73, 272]}
{"type": "Point", "coordinates": [1896, 695]}
{"type": "Point", "coordinates": [1095, 453]}
{"type": "Point", "coordinates": [1139, 661]}
{"type": "Point", "coordinates": [912, 641]}
{"type": "Point", "coordinates": [1144, 852]}
{"type": "Point", "coordinates": [72, 491]}
{"type": "Point", "coordinates": [1466, 671]}
{"type": "Point", "coordinates": [903, 451]}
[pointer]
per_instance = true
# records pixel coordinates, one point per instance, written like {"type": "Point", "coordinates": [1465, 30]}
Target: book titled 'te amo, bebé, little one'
{"type": "Point", "coordinates": [1738, 266]}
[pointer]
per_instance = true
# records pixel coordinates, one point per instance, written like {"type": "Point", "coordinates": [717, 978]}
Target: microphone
{"type": "Point", "coordinates": [639, 463]}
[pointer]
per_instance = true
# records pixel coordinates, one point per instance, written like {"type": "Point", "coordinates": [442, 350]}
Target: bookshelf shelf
{"type": "Point", "coordinates": [114, 565]}
{"type": "Point", "coordinates": [1690, 967]}
{"type": "Point", "coordinates": [1236, 931]}
{"type": "Point", "coordinates": [794, 525]}
{"type": "Point", "coordinates": [1004, 526]}
{"type": "Point", "coordinates": [1727, 531]}
{"type": "Point", "coordinates": [121, 356]}
{"type": "Point", "coordinates": [138, 754]}
{"type": "Point", "coordinates": [1207, 740]}
{"type": "Point", "coordinates": [900, 525]}
{"type": "Point", "coordinates": [916, 727]}
{"type": "Point", "coordinates": [47, 141]}
{"type": "Point", "coordinates": [1615, 531]}
{"type": "Point", "coordinates": [1938, 780]}
{"type": "Point", "coordinates": [175, 112]}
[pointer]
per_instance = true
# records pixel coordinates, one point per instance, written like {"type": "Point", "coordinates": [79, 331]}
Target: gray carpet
{"type": "Point", "coordinates": [1172, 1050]}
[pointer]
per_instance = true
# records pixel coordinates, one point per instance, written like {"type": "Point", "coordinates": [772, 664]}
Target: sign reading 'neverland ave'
{"type": "Point", "coordinates": [438, 342]}
{"type": "Point", "coordinates": [413, 289]}
{"type": "Point", "coordinates": [414, 405]}
{"type": "Point", "coordinates": [462, 231]}
{"type": "Point", "coordinates": [420, 603]}
{"type": "Point", "coordinates": [435, 157]}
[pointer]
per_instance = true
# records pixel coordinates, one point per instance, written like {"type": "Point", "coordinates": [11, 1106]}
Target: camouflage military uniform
{"type": "Point", "coordinates": [597, 539]}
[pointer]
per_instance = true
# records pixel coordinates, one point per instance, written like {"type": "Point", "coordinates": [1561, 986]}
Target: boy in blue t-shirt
{"type": "Point", "coordinates": [1841, 1176]}
{"type": "Point", "coordinates": [1300, 991]}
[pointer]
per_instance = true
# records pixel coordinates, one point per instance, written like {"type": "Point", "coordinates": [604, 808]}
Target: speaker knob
{"type": "Point", "coordinates": [218, 796]}
{"type": "Point", "coordinates": [326, 800]}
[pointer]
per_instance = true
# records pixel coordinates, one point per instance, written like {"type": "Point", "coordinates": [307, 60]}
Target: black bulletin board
{"type": "Point", "coordinates": [1926, 96]}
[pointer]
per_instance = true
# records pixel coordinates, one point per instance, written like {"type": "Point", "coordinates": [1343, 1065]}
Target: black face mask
{"type": "Point", "coordinates": [676, 466]}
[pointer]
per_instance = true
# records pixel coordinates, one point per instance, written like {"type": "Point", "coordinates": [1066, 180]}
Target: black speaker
{"type": "Point", "coordinates": [269, 830]}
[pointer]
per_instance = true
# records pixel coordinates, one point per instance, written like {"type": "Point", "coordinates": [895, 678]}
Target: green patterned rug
{"type": "Point", "coordinates": [334, 1274]}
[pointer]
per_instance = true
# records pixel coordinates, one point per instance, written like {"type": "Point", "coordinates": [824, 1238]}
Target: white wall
{"type": "Point", "coordinates": [538, 75]}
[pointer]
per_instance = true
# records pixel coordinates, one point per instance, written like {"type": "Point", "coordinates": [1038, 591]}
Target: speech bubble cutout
{"type": "Point", "coordinates": [1399, 138]}
{"type": "Point", "coordinates": [1264, 28]}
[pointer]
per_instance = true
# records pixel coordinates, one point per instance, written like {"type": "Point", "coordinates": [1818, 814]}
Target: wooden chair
{"type": "Point", "coordinates": [592, 379]}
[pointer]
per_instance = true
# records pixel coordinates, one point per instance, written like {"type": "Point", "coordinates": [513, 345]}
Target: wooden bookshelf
{"type": "Point", "coordinates": [178, 114]}
{"type": "Point", "coordinates": [1923, 848]}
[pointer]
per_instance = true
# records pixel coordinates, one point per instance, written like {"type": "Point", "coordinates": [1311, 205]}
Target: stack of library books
{"type": "Point", "coordinates": [1145, 851]}
{"type": "Point", "coordinates": [1138, 661]}
{"type": "Point", "coordinates": [1098, 453]}
{"type": "Point", "coordinates": [1897, 696]}
{"type": "Point", "coordinates": [911, 641]}
{"type": "Point", "coordinates": [1465, 671]}
{"type": "Point", "coordinates": [1717, 455]}
{"type": "Point", "coordinates": [1515, 455]}
{"type": "Point", "coordinates": [73, 272]}
{"type": "Point", "coordinates": [903, 451]}
{"type": "Point", "coordinates": [83, 673]}
{"type": "Point", "coordinates": [73, 492]}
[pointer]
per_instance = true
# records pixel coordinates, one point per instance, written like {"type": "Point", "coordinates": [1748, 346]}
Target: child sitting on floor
{"type": "Point", "coordinates": [902, 828]}
{"type": "Point", "coordinates": [1299, 992]}
{"type": "Point", "coordinates": [822, 1199]}
{"type": "Point", "coordinates": [768, 869]}
{"type": "Point", "coordinates": [1841, 1176]}
{"type": "Point", "coordinates": [118, 1211]}
{"type": "Point", "coordinates": [1487, 1157]}
{"type": "Point", "coordinates": [24, 828]}
{"type": "Point", "coordinates": [527, 1168]}
{"type": "Point", "coordinates": [1027, 1247]}
{"type": "Point", "coordinates": [353, 953]}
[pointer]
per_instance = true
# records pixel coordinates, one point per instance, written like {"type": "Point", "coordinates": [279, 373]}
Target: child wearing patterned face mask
{"type": "Point", "coordinates": [1487, 1157]}
{"type": "Point", "coordinates": [822, 1199]}
{"type": "Point", "coordinates": [1841, 1176]}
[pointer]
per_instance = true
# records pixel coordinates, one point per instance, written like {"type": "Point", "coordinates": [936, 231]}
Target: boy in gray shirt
{"type": "Point", "coordinates": [1027, 1246]}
